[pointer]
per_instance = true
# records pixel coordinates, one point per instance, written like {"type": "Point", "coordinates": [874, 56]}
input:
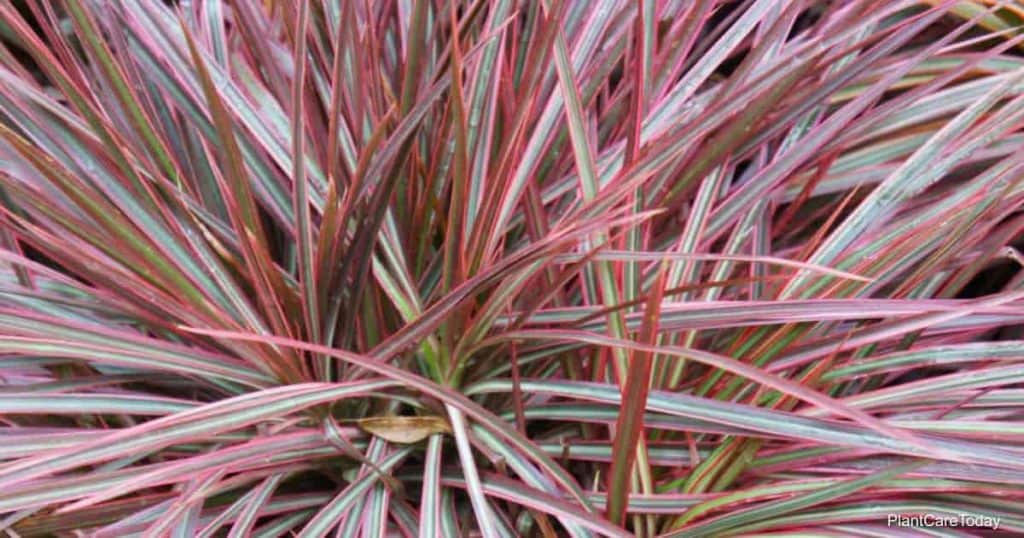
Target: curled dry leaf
{"type": "Point", "coordinates": [404, 430]}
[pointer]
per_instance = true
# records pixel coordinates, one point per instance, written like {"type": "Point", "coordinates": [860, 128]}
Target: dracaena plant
{"type": "Point", "coordinates": [509, 268]}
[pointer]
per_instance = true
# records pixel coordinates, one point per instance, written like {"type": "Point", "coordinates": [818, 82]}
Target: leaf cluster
{"type": "Point", "coordinates": [509, 268]}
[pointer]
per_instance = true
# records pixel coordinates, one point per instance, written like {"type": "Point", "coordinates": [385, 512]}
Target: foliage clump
{"type": "Point", "coordinates": [501, 268]}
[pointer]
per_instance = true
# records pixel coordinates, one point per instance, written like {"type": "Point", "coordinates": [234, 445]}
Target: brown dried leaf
{"type": "Point", "coordinates": [404, 430]}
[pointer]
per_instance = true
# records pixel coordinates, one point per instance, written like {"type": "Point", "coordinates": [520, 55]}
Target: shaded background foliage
{"type": "Point", "coordinates": [501, 268]}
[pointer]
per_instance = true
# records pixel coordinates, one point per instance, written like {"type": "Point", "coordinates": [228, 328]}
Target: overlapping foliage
{"type": "Point", "coordinates": [501, 268]}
